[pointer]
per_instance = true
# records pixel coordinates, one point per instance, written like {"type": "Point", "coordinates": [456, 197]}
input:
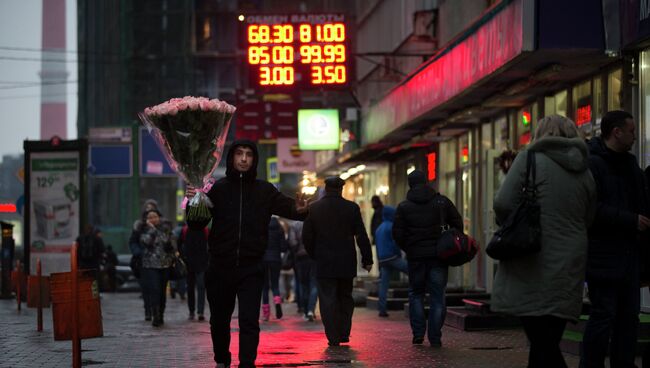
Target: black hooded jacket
{"type": "Point", "coordinates": [418, 221]}
{"type": "Point", "coordinates": [622, 196]}
{"type": "Point", "coordinates": [242, 210]}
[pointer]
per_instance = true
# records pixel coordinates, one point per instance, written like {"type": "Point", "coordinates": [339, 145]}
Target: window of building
{"type": "Point", "coordinates": [583, 106]}
{"type": "Point", "coordinates": [598, 105]}
{"type": "Point", "coordinates": [644, 108]}
{"type": "Point", "coordinates": [614, 89]}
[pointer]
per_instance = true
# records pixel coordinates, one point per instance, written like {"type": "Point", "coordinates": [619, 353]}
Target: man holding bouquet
{"type": "Point", "coordinates": [241, 211]}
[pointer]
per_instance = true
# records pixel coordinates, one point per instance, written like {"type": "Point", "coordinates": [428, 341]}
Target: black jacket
{"type": "Point", "coordinates": [622, 196]}
{"type": "Point", "coordinates": [277, 242]}
{"type": "Point", "coordinates": [329, 234]}
{"type": "Point", "coordinates": [242, 209]}
{"type": "Point", "coordinates": [193, 247]}
{"type": "Point", "coordinates": [418, 221]}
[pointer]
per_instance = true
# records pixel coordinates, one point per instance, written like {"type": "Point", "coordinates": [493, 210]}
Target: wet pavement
{"type": "Point", "coordinates": [129, 341]}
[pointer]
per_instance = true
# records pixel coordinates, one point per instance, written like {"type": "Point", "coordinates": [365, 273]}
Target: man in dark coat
{"type": "Point", "coordinates": [329, 235]}
{"type": "Point", "coordinates": [416, 229]}
{"type": "Point", "coordinates": [241, 212]}
{"type": "Point", "coordinates": [613, 251]}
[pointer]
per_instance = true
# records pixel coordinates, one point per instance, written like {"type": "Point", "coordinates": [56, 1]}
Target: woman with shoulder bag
{"type": "Point", "coordinates": [157, 258]}
{"type": "Point", "coordinates": [545, 288]}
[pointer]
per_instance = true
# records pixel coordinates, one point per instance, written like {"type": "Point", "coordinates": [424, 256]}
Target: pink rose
{"type": "Point", "coordinates": [182, 105]}
{"type": "Point", "coordinates": [172, 110]}
{"type": "Point", "coordinates": [205, 105]}
{"type": "Point", "coordinates": [193, 104]}
{"type": "Point", "coordinates": [215, 105]}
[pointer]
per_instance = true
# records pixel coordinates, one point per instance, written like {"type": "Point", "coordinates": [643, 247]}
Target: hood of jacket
{"type": "Point", "coordinates": [231, 172]}
{"type": "Point", "coordinates": [388, 213]}
{"type": "Point", "coordinates": [570, 153]}
{"type": "Point", "coordinates": [420, 193]}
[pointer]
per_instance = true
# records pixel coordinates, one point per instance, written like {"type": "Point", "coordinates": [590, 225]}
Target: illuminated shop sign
{"type": "Point", "coordinates": [318, 129]}
{"type": "Point", "coordinates": [492, 45]}
{"type": "Point", "coordinates": [583, 115]}
{"type": "Point", "coordinates": [526, 118]}
{"type": "Point", "coordinates": [464, 155]}
{"type": "Point", "coordinates": [286, 50]}
{"type": "Point", "coordinates": [431, 166]}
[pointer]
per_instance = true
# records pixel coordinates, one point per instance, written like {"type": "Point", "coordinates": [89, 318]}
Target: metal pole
{"type": "Point", "coordinates": [19, 282]}
{"type": "Point", "coordinates": [76, 341]}
{"type": "Point", "coordinates": [39, 308]}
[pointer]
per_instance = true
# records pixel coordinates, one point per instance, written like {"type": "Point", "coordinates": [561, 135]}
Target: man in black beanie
{"type": "Point", "coordinates": [328, 234]}
{"type": "Point", "coordinates": [416, 229]}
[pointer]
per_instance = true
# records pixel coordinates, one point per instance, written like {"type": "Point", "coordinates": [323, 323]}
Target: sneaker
{"type": "Point", "coordinates": [332, 343]}
{"type": "Point", "coordinates": [345, 340]}
{"type": "Point", "coordinates": [310, 316]}
{"type": "Point", "coordinates": [201, 318]}
{"type": "Point", "coordinates": [305, 317]}
{"type": "Point", "coordinates": [278, 306]}
{"type": "Point", "coordinates": [436, 344]}
{"type": "Point", "coordinates": [383, 314]}
{"type": "Point", "coordinates": [191, 317]}
{"type": "Point", "coordinates": [418, 340]}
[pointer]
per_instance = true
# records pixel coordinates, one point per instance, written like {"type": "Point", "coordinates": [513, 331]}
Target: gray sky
{"type": "Point", "coordinates": [20, 27]}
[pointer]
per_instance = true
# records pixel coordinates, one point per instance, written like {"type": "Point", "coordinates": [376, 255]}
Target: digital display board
{"type": "Point", "coordinates": [297, 50]}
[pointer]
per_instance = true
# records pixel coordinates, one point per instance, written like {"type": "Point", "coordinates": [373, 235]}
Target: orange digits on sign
{"type": "Point", "coordinates": [305, 33]}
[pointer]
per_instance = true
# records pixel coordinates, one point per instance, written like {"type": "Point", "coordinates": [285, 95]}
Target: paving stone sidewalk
{"type": "Point", "coordinates": [129, 341]}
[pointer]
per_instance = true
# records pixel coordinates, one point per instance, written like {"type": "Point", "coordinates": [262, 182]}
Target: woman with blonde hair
{"type": "Point", "coordinates": [545, 288]}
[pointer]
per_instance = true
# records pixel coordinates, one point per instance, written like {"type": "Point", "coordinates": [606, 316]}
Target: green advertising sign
{"type": "Point", "coordinates": [318, 129]}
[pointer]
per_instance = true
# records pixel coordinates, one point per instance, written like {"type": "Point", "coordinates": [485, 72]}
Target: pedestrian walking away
{"type": "Point", "coordinates": [91, 251]}
{"type": "Point", "coordinates": [241, 212]}
{"type": "Point", "coordinates": [545, 289]}
{"type": "Point", "coordinates": [277, 244]}
{"type": "Point", "coordinates": [389, 255]}
{"type": "Point", "coordinates": [193, 247]}
{"type": "Point", "coordinates": [305, 273]}
{"type": "Point", "coordinates": [613, 251]}
{"type": "Point", "coordinates": [329, 234]}
{"type": "Point", "coordinates": [416, 230]}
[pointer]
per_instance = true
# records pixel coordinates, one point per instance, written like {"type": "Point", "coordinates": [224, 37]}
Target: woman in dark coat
{"type": "Point", "coordinates": [157, 253]}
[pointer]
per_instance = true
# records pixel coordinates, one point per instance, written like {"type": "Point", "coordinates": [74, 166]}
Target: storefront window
{"type": "Point", "coordinates": [501, 134]}
{"type": "Point", "coordinates": [614, 84]}
{"type": "Point", "coordinates": [561, 102]}
{"type": "Point", "coordinates": [598, 106]}
{"type": "Point", "coordinates": [447, 162]}
{"type": "Point", "coordinates": [644, 109]}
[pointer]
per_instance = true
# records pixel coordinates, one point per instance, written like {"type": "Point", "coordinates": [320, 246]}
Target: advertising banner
{"type": "Point", "coordinates": [291, 159]}
{"type": "Point", "coordinates": [54, 198]}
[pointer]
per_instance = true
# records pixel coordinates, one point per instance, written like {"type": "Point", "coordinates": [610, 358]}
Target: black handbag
{"type": "Point", "coordinates": [521, 233]}
{"type": "Point", "coordinates": [178, 270]}
{"type": "Point", "coordinates": [453, 246]}
{"type": "Point", "coordinates": [136, 265]}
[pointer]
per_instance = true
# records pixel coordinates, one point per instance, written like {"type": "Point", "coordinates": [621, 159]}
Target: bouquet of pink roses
{"type": "Point", "coordinates": [191, 132]}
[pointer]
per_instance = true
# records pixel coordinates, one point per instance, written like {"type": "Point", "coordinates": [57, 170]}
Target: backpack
{"type": "Point", "coordinates": [87, 248]}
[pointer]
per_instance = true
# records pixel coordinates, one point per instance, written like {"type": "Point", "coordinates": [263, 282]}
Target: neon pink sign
{"type": "Point", "coordinates": [449, 73]}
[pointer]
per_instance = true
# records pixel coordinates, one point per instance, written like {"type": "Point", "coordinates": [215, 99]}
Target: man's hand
{"type": "Point", "coordinates": [644, 223]}
{"type": "Point", "coordinates": [302, 204]}
{"type": "Point", "coordinates": [367, 267]}
{"type": "Point", "coordinates": [190, 191]}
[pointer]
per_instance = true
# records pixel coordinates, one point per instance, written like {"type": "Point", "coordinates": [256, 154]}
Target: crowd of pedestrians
{"type": "Point", "coordinates": [595, 207]}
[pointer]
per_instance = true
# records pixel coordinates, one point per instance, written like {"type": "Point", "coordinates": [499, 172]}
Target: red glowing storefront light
{"type": "Point", "coordinates": [464, 155]}
{"type": "Point", "coordinates": [583, 115]}
{"type": "Point", "coordinates": [431, 166]}
{"type": "Point", "coordinates": [279, 53]}
{"type": "Point", "coordinates": [7, 208]}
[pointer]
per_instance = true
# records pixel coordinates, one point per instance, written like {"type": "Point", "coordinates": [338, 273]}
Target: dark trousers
{"type": "Point", "coordinates": [196, 282]}
{"type": "Point", "coordinates": [154, 282]}
{"type": "Point", "coordinates": [224, 284]}
{"type": "Point", "coordinates": [544, 334]}
{"type": "Point", "coordinates": [306, 278]}
{"type": "Point", "coordinates": [271, 280]}
{"type": "Point", "coordinates": [336, 307]}
{"type": "Point", "coordinates": [612, 324]}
